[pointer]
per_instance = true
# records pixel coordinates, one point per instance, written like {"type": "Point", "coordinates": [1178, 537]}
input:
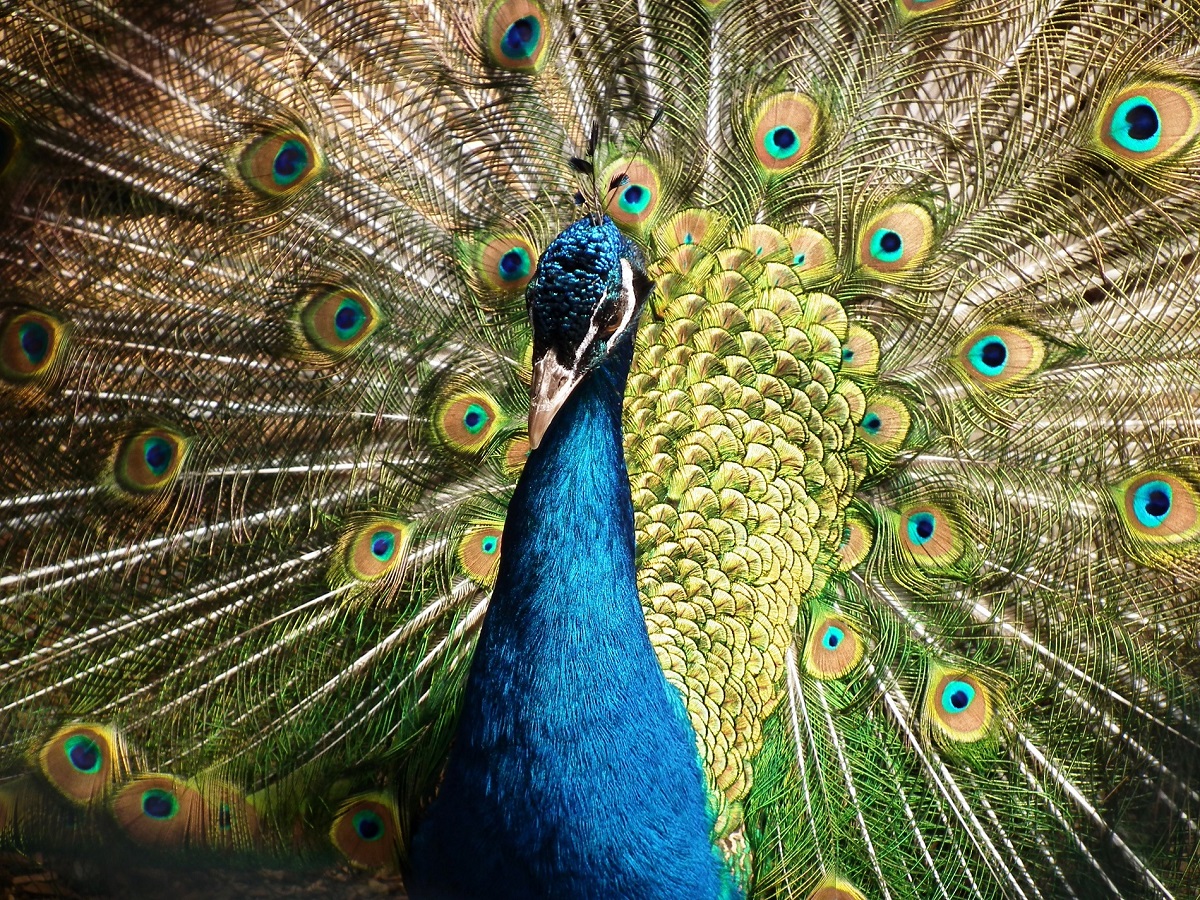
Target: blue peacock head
{"type": "Point", "coordinates": [584, 300]}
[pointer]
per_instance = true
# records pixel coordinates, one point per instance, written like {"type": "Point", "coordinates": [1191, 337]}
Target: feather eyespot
{"type": "Point", "coordinates": [785, 130]}
{"type": "Point", "coordinates": [959, 704]}
{"type": "Point", "coordinates": [280, 164]}
{"type": "Point", "coordinates": [885, 423]}
{"type": "Point", "coordinates": [150, 460]}
{"type": "Point", "coordinates": [929, 536]}
{"type": "Point", "coordinates": [479, 553]}
{"type": "Point", "coordinates": [160, 811]}
{"type": "Point", "coordinates": [856, 543]}
{"type": "Point", "coordinates": [1160, 508]}
{"type": "Point", "coordinates": [834, 647]}
{"type": "Point", "coordinates": [860, 353]}
{"type": "Point", "coordinates": [31, 344]}
{"type": "Point", "coordinates": [896, 240]}
{"type": "Point", "coordinates": [634, 194]}
{"type": "Point", "coordinates": [515, 34]}
{"type": "Point", "coordinates": [336, 321]}
{"type": "Point", "coordinates": [83, 761]}
{"type": "Point", "coordinates": [468, 421]}
{"type": "Point", "coordinates": [505, 263]}
{"type": "Point", "coordinates": [1147, 123]}
{"type": "Point", "coordinates": [1001, 355]}
{"type": "Point", "coordinates": [365, 831]}
{"type": "Point", "coordinates": [375, 548]}
{"type": "Point", "coordinates": [812, 253]}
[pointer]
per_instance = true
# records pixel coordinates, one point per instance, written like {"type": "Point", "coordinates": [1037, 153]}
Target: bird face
{"type": "Point", "coordinates": [584, 299]}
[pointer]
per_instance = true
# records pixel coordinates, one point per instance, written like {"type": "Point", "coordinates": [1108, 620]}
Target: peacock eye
{"type": "Point", "coordinates": [1147, 123]}
{"type": "Point", "coordinates": [960, 705]}
{"type": "Point", "coordinates": [833, 637]}
{"type": "Point", "coordinates": [635, 192]}
{"type": "Point", "coordinates": [1001, 355]}
{"type": "Point", "coordinates": [1135, 125]}
{"type": "Point", "coordinates": [887, 245]}
{"type": "Point", "coordinates": [468, 421]}
{"type": "Point", "coordinates": [1152, 503]}
{"type": "Point", "coordinates": [368, 825]}
{"type": "Point", "coordinates": [515, 264]}
{"type": "Point", "coordinates": [375, 548]}
{"type": "Point", "coordinates": [150, 460]}
{"type": "Point", "coordinates": [785, 130]}
{"type": "Point", "coordinates": [30, 345]}
{"type": "Point", "coordinates": [896, 240]}
{"type": "Point", "coordinates": [921, 527]}
{"type": "Point", "coordinates": [279, 164]}
{"type": "Point", "coordinates": [989, 356]}
{"type": "Point", "coordinates": [159, 804]}
{"type": "Point", "coordinates": [383, 545]}
{"type": "Point", "coordinates": [515, 35]}
{"type": "Point", "coordinates": [957, 697]}
{"type": "Point", "coordinates": [337, 321]}
{"type": "Point", "coordinates": [83, 754]}
{"type": "Point", "coordinates": [635, 198]}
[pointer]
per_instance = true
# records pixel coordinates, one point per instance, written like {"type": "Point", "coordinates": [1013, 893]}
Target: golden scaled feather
{"type": "Point", "coordinates": [912, 426]}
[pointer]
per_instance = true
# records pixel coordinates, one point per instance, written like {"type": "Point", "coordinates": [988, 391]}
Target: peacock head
{"type": "Point", "coordinates": [584, 300]}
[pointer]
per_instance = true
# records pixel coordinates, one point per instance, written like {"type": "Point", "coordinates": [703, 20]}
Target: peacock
{"type": "Point", "coordinates": [604, 448]}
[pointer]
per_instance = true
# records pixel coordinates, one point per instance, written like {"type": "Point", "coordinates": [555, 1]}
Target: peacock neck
{"type": "Point", "coordinates": [574, 772]}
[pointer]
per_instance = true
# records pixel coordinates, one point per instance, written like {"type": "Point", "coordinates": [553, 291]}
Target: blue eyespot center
{"type": "Point", "coordinates": [782, 142]}
{"type": "Point", "coordinates": [224, 817]}
{"type": "Point", "coordinates": [989, 356]}
{"type": "Point", "coordinates": [158, 804]}
{"type": "Point", "coordinates": [83, 754]}
{"type": "Point", "coordinates": [920, 528]}
{"type": "Point", "coordinates": [515, 264]}
{"type": "Point", "coordinates": [1136, 125]}
{"type": "Point", "coordinates": [799, 258]}
{"type": "Point", "coordinates": [383, 545]}
{"type": "Point", "coordinates": [475, 418]}
{"type": "Point", "coordinates": [833, 637]}
{"type": "Point", "coordinates": [847, 354]}
{"type": "Point", "coordinates": [887, 245]}
{"type": "Point", "coordinates": [489, 544]}
{"type": "Point", "coordinates": [871, 423]}
{"type": "Point", "coordinates": [1152, 503]}
{"type": "Point", "coordinates": [35, 341]}
{"type": "Point", "coordinates": [158, 454]}
{"type": "Point", "coordinates": [635, 198]}
{"type": "Point", "coordinates": [521, 39]}
{"type": "Point", "coordinates": [290, 162]}
{"type": "Point", "coordinates": [349, 318]}
{"type": "Point", "coordinates": [957, 697]}
{"type": "Point", "coordinates": [687, 238]}
{"type": "Point", "coordinates": [368, 825]}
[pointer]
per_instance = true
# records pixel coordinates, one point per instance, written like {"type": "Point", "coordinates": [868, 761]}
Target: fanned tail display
{"type": "Point", "coordinates": [911, 425]}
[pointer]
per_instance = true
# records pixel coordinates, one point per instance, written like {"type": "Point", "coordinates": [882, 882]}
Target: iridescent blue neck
{"type": "Point", "coordinates": [574, 772]}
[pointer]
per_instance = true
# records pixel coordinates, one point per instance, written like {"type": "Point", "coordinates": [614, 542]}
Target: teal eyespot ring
{"type": "Point", "coordinates": [921, 527]}
{"type": "Point", "coordinates": [1136, 125]}
{"type": "Point", "coordinates": [1152, 503]}
{"type": "Point", "coordinates": [989, 355]}
{"type": "Point", "coordinates": [887, 245]}
{"type": "Point", "coordinates": [957, 697]}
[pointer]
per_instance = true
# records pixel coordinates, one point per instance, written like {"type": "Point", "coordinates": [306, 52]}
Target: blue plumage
{"type": "Point", "coordinates": [574, 772]}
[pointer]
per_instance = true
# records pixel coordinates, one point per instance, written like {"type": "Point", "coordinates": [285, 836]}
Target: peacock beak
{"type": "Point", "coordinates": [552, 385]}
